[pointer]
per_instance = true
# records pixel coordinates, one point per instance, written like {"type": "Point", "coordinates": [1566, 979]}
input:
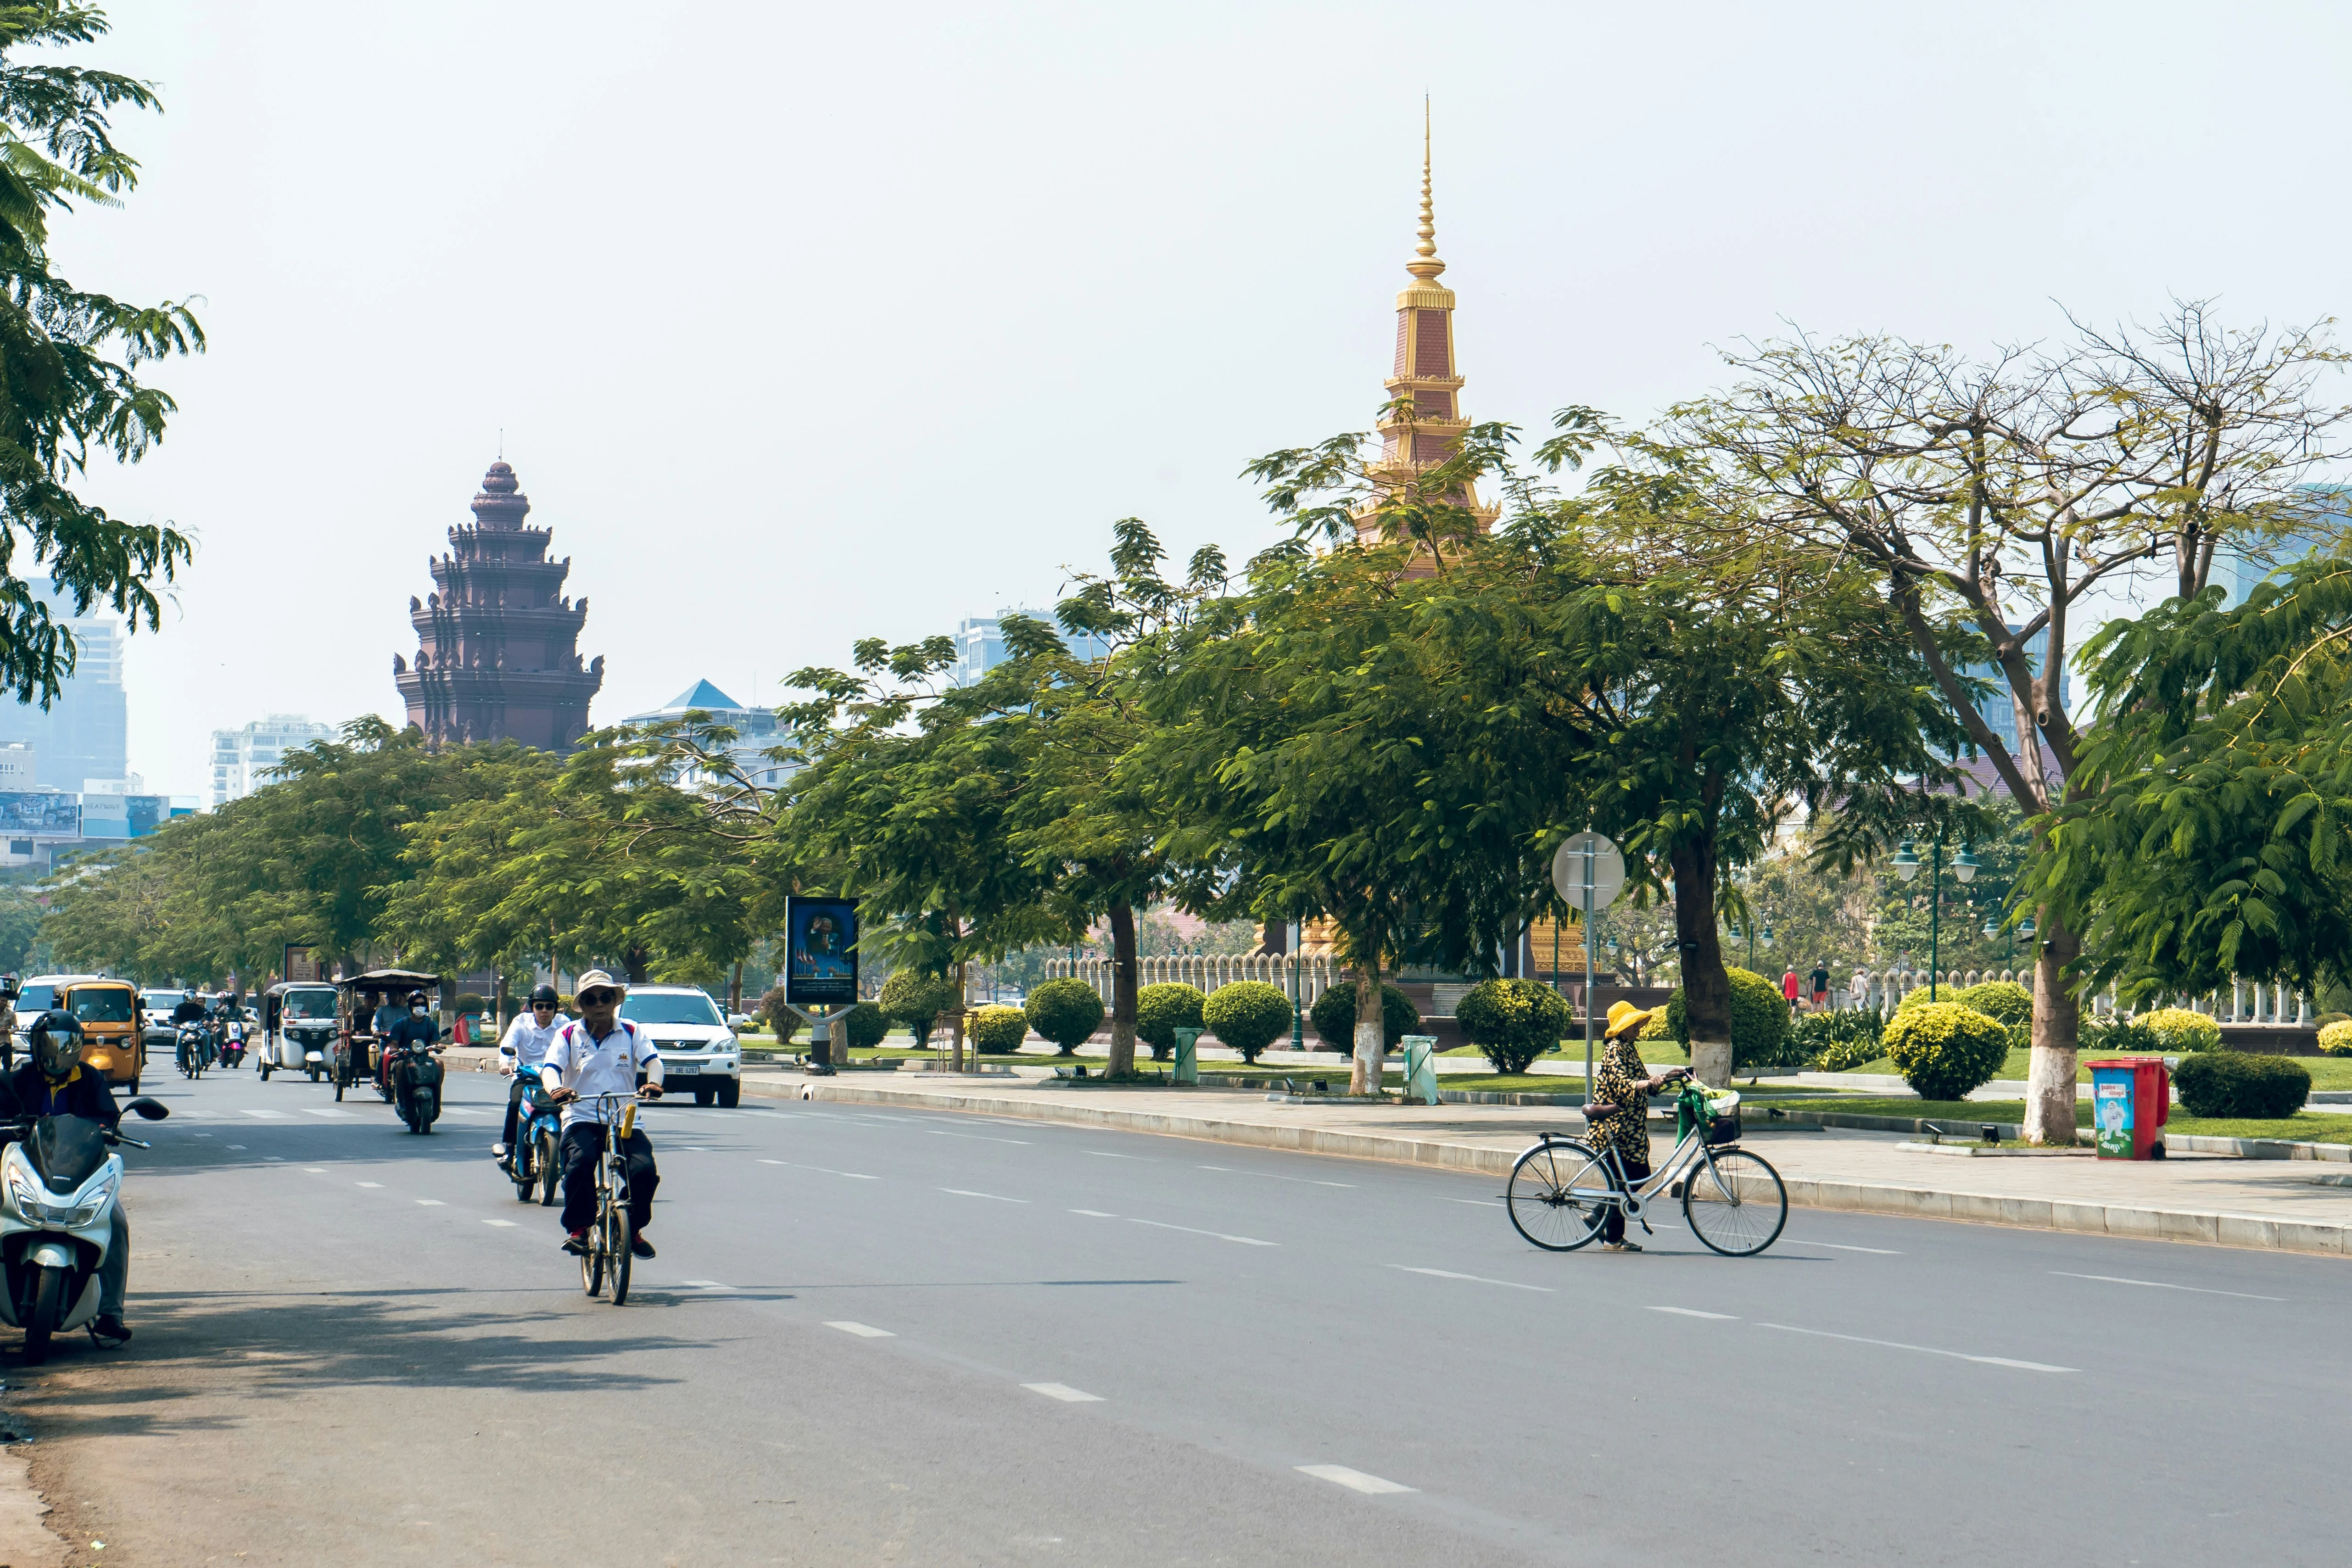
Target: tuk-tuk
{"type": "Point", "coordinates": [299, 1025]}
{"type": "Point", "coordinates": [358, 1054]}
{"type": "Point", "coordinates": [112, 1036]}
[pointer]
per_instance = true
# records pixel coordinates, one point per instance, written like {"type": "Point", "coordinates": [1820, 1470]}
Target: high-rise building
{"type": "Point", "coordinates": [756, 731]}
{"type": "Point", "coordinates": [980, 643]}
{"type": "Point", "coordinates": [498, 641]}
{"type": "Point", "coordinates": [84, 733]}
{"type": "Point", "coordinates": [240, 757]}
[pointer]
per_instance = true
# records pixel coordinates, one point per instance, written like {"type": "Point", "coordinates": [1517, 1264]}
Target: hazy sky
{"type": "Point", "coordinates": [811, 322]}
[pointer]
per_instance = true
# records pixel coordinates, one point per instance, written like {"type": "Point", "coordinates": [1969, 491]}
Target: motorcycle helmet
{"type": "Point", "coordinates": [55, 1042]}
{"type": "Point", "coordinates": [545, 994]}
{"type": "Point", "coordinates": [416, 1001]}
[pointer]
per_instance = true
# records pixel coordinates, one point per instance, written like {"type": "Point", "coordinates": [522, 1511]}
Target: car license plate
{"type": "Point", "coordinates": [681, 1070]}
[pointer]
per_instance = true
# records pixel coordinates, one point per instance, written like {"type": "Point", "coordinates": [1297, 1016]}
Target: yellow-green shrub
{"type": "Point", "coordinates": [1943, 1049]}
{"type": "Point", "coordinates": [2179, 1029]}
{"type": "Point", "coordinates": [2335, 1039]}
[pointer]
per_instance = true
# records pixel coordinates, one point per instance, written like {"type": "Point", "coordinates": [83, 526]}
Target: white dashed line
{"type": "Point", "coordinates": [982, 1137]}
{"type": "Point", "coordinates": [238, 1149]}
{"type": "Point", "coordinates": [431, 1203]}
{"type": "Point", "coordinates": [1355, 1479]}
{"type": "Point", "coordinates": [966, 1192]}
{"type": "Point", "coordinates": [330, 1111]}
{"type": "Point", "coordinates": [1270, 1175]}
{"type": "Point", "coordinates": [1107, 1154]}
{"type": "Point", "coordinates": [707, 1285]}
{"type": "Point", "coordinates": [316, 1170]}
{"type": "Point", "coordinates": [1064, 1392]}
{"type": "Point", "coordinates": [367, 1184]}
{"type": "Point", "coordinates": [269, 1115]}
{"type": "Point", "coordinates": [1691, 1312]}
{"type": "Point", "coordinates": [501, 1224]}
{"type": "Point", "coordinates": [1193, 1230]}
{"type": "Point", "coordinates": [1922, 1350]}
{"type": "Point", "coordinates": [1473, 1202]}
{"type": "Point", "coordinates": [863, 1331]}
{"type": "Point", "coordinates": [1094, 1214]}
{"type": "Point", "coordinates": [279, 1158]}
{"type": "Point", "coordinates": [853, 1176]}
{"type": "Point", "coordinates": [1837, 1247]}
{"type": "Point", "coordinates": [1474, 1279]}
{"type": "Point", "coordinates": [2160, 1285]}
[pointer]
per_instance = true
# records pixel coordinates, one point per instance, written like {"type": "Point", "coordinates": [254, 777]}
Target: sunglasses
{"type": "Point", "coordinates": [543, 1007]}
{"type": "Point", "coordinates": [598, 998]}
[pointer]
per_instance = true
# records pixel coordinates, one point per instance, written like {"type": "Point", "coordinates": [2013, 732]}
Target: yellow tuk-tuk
{"type": "Point", "coordinates": [112, 1038]}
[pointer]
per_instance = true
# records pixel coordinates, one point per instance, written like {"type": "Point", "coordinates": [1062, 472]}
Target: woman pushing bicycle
{"type": "Point", "coordinates": [591, 1062]}
{"type": "Point", "coordinates": [1617, 1116]}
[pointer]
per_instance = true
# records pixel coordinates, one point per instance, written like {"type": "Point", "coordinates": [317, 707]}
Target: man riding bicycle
{"type": "Point", "coordinates": [525, 1045]}
{"type": "Point", "coordinates": [599, 1055]}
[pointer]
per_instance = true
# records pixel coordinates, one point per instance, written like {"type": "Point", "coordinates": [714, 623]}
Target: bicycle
{"type": "Point", "coordinates": [1562, 1192]}
{"type": "Point", "coordinates": [612, 1234]}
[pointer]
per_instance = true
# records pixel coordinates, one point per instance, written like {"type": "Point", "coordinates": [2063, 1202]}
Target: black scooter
{"type": "Point", "coordinates": [417, 1085]}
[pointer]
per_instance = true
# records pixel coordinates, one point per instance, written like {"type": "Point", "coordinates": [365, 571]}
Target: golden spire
{"type": "Point", "coordinates": [1428, 266]}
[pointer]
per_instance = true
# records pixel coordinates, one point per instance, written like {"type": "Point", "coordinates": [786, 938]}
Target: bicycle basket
{"type": "Point", "coordinates": [1723, 1129]}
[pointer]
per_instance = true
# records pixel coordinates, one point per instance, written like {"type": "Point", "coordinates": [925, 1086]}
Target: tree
{"type": "Point", "coordinates": [1992, 496]}
{"type": "Point", "coordinates": [69, 358]}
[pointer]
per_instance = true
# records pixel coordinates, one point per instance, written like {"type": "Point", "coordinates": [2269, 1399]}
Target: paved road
{"type": "Point", "coordinates": [881, 1336]}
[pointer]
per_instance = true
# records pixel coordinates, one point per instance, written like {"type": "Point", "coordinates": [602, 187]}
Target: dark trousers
{"type": "Point", "coordinates": [1613, 1228]}
{"type": "Point", "coordinates": [584, 1143]}
{"type": "Point", "coordinates": [514, 1105]}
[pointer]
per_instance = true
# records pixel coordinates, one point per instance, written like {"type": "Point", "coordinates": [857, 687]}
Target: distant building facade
{"type": "Point", "coordinates": [756, 731]}
{"type": "Point", "coordinates": [240, 757]}
{"type": "Point", "coordinates": [85, 732]}
{"type": "Point", "coordinates": [980, 643]}
{"type": "Point", "coordinates": [498, 642]}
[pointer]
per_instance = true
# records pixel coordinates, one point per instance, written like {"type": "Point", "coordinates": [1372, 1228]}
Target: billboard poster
{"type": "Point", "coordinates": [40, 814]}
{"type": "Point", "coordinates": [301, 964]}
{"type": "Point", "coordinates": [821, 952]}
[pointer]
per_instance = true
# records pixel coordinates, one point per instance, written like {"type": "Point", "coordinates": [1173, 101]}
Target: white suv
{"type": "Point", "coordinates": [697, 1049]}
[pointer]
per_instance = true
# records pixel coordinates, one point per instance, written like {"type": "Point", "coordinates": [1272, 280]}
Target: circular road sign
{"type": "Point", "coordinates": [1588, 864]}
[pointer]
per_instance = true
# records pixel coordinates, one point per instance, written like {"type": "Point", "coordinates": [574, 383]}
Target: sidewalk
{"type": "Point", "coordinates": [2280, 1204]}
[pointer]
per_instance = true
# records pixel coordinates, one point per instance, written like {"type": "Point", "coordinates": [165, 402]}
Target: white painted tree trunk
{"type": "Point", "coordinates": [1372, 1057]}
{"type": "Point", "coordinates": [1710, 1062]}
{"type": "Point", "coordinates": [2057, 1018]}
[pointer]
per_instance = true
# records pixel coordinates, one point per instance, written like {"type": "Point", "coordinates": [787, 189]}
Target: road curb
{"type": "Point", "coordinates": [2212, 1229]}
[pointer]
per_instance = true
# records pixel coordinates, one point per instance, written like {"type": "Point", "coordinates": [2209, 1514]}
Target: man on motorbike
{"type": "Point", "coordinates": [53, 1083]}
{"type": "Point", "coordinates": [601, 1054]}
{"type": "Point", "coordinates": [418, 1025]}
{"type": "Point", "coordinates": [525, 1045]}
{"type": "Point", "coordinates": [191, 1010]}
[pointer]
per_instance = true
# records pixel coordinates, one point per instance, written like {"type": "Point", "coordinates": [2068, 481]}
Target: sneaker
{"type": "Point", "coordinates": [497, 1151]}
{"type": "Point", "coordinates": [641, 1247]}
{"type": "Point", "coordinates": [108, 1329]}
{"type": "Point", "coordinates": [576, 1244]}
{"type": "Point", "coordinates": [1620, 1247]}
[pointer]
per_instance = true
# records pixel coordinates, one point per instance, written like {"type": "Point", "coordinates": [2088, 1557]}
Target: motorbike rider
{"type": "Point", "coordinates": [192, 1010]}
{"type": "Point", "coordinates": [418, 1027]}
{"type": "Point", "coordinates": [53, 1081]}
{"type": "Point", "coordinates": [10, 988]}
{"type": "Point", "coordinates": [600, 1054]}
{"type": "Point", "coordinates": [525, 1045]}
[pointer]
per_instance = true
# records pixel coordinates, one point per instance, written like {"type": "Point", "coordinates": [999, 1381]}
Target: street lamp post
{"type": "Point", "coordinates": [1297, 962]}
{"type": "Point", "coordinates": [1907, 866]}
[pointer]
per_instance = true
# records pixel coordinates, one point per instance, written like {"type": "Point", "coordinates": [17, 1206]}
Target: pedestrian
{"type": "Point", "coordinates": [1821, 983]}
{"type": "Point", "coordinates": [1618, 1114]}
{"type": "Point", "coordinates": [1788, 989]}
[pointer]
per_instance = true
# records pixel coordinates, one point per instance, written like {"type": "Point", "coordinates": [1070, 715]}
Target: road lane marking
{"type": "Point", "coordinates": [1355, 1479]}
{"type": "Point", "coordinates": [2160, 1285]}
{"type": "Point", "coordinates": [1691, 1312]}
{"type": "Point", "coordinates": [430, 1203]}
{"type": "Point", "coordinates": [1107, 1154]}
{"type": "Point", "coordinates": [1270, 1175]}
{"type": "Point", "coordinates": [967, 1192]}
{"type": "Point", "coordinates": [707, 1285]}
{"type": "Point", "coordinates": [367, 1184]}
{"type": "Point", "coordinates": [863, 1331]}
{"type": "Point", "coordinates": [501, 1224]}
{"type": "Point", "coordinates": [279, 1158]}
{"type": "Point", "coordinates": [1922, 1349]}
{"type": "Point", "coordinates": [238, 1149]}
{"type": "Point", "coordinates": [316, 1170]}
{"type": "Point", "coordinates": [330, 1111]}
{"type": "Point", "coordinates": [854, 1175]}
{"type": "Point", "coordinates": [1473, 1202]}
{"type": "Point", "coordinates": [1474, 1279]}
{"type": "Point", "coordinates": [1839, 1247]}
{"type": "Point", "coordinates": [1064, 1392]}
{"type": "Point", "coordinates": [270, 1115]}
{"type": "Point", "coordinates": [1195, 1230]}
{"type": "Point", "coordinates": [1094, 1214]}
{"type": "Point", "coordinates": [982, 1137]}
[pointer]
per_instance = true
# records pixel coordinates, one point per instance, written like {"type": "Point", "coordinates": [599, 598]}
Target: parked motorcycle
{"type": "Point", "coordinates": [531, 1162]}
{"type": "Point", "coordinates": [416, 1085]}
{"type": "Point", "coordinates": [59, 1186]}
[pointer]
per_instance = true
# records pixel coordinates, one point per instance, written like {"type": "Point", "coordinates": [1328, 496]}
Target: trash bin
{"type": "Point", "coordinates": [2131, 1099]}
{"type": "Point", "coordinates": [1421, 1068]}
{"type": "Point", "coordinates": [1188, 1057]}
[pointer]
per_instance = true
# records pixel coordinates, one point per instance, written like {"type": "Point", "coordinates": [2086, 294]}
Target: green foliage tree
{"type": "Point", "coordinates": [918, 999]}
{"type": "Point", "coordinates": [866, 1027]}
{"type": "Point", "coordinates": [1067, 1012]}
{"type": "Point", "coordinates": [1759, 1019]}
{"type": "Point", "coordinates": [1247, 1015]}
{"type": "Point", "coordinates": [1333, 1016]}
{"type": "Point", "coordinates": [1160, 1010]}
{"type": "Point", "coordinates": [1512, 1021]}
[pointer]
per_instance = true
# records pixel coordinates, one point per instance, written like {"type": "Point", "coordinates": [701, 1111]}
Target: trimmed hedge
{"type": "Point", "coordinates": [1839, 1040]}
{"type": "Point", "coordinates": [2180, 1030]}
{"type": "Point", "coordinates": [2118, 1035]}
{"type": "Point", "coordinates": [999, 1030]}
{"type": "Point", "coordinates": [1161, 1010]}
{"type": "Point", "coordinates": [918, 999]}
{"type": "Point", "coordinates": [2003, 1001]}
{"type": "Point", "coordinates": [1247, 1015]}
{"type": "Point", "coordinates": [1512, 1021]}
{"type": "Point", "coordinates": [1759, 1021]}
{"type": "Point", "coordinates": [2335, 1039]}
{"type": "Point", "coordinates": [1067, 1012]}
{"type": "Point", "coordinates": [2237, 1085]}
{"type": "Point", "coordinates": [867, 1026]}
{"type": "Point", "coordinates": [1943, 1049]}
{"type": "Point", "coordinates": [1334, 1018]}
{"type": "Point", "coordinates": [469, 1002]}
{"type": "Point", "coordinates": [1657, 1027]}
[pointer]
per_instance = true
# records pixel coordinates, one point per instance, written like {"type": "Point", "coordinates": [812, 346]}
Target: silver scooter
{"type": "Point", "coordinates": [59, 1182]}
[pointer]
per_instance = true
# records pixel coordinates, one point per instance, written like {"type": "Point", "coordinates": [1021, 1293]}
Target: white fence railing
{"type": "Point", "coordinates": [1313, 977]}
{"type": "Point", "coordinates": [2246, 1001]}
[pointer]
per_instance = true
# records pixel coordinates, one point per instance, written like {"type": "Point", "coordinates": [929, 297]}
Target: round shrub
{"type": "Point", "coordinates": [2179, 1030]}
{"type": "Point", "coordinates": [1943, 1049]}
{"type": "Point", "coordinates": [2003, 1001]}
{"type": "Point", "coordinates": [1656, 1029]}
{"type": "Point", "coordinates": [1334, 1017]}
{"type": "Point", "coordinates": [1067, 1012]}
{"type": "Point", "coordinates": [1248, 1015]}
{"type": "Point", "coordinates": [918, 999]}
{"type": "Point", "coordinates": [1513, 1021]}
{"type": "Point", "coordinates": [470, 1002]}
{"type": "Point", "coordinates": [999, 1030]}
{"type": "Point", "coordinates": [2335, 1039]}
{"type": "Point", "coordinates": [780, 1018]}
{"type": "Point", "coordinates": [1161, 1010]}
{"type": "Point", "coordinates": [866, 1026]}
{"type": "Point", "coordinates": [2324, 1019]}
{"type": "Point", "coordinates": [1760, 1019]}
{"type": "Point", "coordinates": [2241, 1086]}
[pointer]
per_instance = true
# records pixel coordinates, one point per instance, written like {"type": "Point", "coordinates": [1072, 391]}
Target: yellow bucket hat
{"type": "Point", "coordinates": [1624, 1016]}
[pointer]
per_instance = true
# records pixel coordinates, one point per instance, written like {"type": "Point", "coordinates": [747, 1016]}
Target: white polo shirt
{"type": "Point", "coordinates": [526, 1043]}
{"type": "Point", "coordinates": [588, 1066]}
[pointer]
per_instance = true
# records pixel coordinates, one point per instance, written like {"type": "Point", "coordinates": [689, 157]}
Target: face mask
{"type": "Point", "coordinates": [416, 1012]}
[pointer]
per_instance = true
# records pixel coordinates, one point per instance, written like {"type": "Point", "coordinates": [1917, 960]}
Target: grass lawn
{"type": "Point", "coordinates": [2304, 1126]}
{"type": "Point", "coordinates": [2326, 1071]}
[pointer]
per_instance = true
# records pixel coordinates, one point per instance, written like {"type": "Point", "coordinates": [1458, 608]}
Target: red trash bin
{"type": "Point", "coordinates": [2131, 1099]}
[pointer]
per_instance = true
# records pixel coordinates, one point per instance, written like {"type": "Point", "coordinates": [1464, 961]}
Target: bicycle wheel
{"type": "Point", "coordinates": [1736, 1204]}
{"type": "Point", "coordinates": [622, 1232]}
{"type": "Point", "coordinates": [592, 1262]}
{"type": "Point", "coordinates": [1556, 1194]}
{"type": "Point", "coordinates": [550, 1177]}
